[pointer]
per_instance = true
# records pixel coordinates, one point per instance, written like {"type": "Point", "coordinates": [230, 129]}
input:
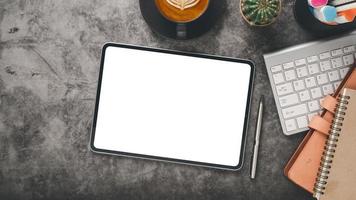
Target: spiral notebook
{"type": "Point", "coordinates": [337, 171]}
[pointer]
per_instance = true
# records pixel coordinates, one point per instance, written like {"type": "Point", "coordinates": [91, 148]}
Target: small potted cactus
{"type": "Point", "coordinates": [260, 12]}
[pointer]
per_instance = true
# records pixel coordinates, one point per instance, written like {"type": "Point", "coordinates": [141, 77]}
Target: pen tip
{"type": "Point", "coordinates": [262, 99]}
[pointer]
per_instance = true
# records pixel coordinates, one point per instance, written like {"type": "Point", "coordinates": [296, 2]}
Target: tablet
{"type": "Point", "coordinates": [172, 106]}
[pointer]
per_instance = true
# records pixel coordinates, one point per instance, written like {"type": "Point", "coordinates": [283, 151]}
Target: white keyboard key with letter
{"type": "Point", "coordinates": [301, 76]}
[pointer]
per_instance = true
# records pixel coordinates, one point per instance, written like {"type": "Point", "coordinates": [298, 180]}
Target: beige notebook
{"type": "Point", "coordinates": [337, 173]}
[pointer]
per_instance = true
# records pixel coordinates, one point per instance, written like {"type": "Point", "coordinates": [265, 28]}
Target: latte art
{"type": "Point", "coordinates": [183, 4]}
{"type": "Point", "coordinates": [181, 11]}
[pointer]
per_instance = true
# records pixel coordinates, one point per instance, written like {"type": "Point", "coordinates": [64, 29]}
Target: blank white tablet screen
{"type": "Point", "coordinates": [172, 106]}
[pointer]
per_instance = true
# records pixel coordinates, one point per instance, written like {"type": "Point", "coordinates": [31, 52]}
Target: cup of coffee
{"type": "Point", "coordinates": [182, 12]}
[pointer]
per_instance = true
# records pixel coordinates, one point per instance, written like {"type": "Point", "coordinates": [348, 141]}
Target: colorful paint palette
{"type": "Point", "coordinates": [333, 12]}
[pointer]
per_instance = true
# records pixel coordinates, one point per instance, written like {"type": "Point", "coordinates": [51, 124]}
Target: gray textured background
{"type": "Point", "coordinates": [49, 62]}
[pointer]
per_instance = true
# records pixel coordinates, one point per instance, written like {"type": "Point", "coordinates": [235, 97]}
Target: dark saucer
{"type": "Point", "coordinates": [194, 29]}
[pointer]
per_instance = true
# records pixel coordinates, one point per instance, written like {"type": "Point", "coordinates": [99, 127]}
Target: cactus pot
{"type": "Point", "coordinates": [260, 12]}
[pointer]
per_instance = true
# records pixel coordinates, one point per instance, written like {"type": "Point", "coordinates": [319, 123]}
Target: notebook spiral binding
{"type": "Point", "coordinates": [330, 146]}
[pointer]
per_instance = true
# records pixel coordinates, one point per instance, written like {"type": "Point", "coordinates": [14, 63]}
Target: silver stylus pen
{"type": "Point", "coordinates": [257, 139]}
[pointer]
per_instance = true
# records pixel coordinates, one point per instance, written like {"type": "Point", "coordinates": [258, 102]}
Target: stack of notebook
{"type": "Point", "coordinates": [324, 162]}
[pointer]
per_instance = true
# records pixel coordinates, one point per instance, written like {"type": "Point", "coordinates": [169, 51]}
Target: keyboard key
{"type": "Point", "coordinates": [344, 71]}
{"type": "Point", "coordinates": [290, 125]}
{"type": "Point", "coordinates": [299, 85]}
{"type": "Point", "coordinates": [311, 115]}
{"type": "Point", "coordinates": [310, 82]}
{"type": "Point", "coordinates": [324, 55]}
{"type": "Point", "coordinates": [278, 78]}
{"type": "Point", "coordinates": [348, 59]}
{"type": "Point", "coordinates": [288, 65]}
{"type": "Point", "coordinates": [289, 100]}
{"type": "Point", "coordinates": [349, 49]}
{"type": "Point", "coordinates": [336, 62]}
{"type": "Point", "coordinates": [302, 122]}
{"type": "Point", "coordinates": [312, 59]}
{"type": "Point", "coordinates": [321, 101]}
{"type": "Point", "coordinates": [300, 62]}
{"type": "Point", "coordinates": [328, 89]}
{"type": "Point", "coordinates": [322, 79]}
{"type": "Point", "coordinates": [336, 52]}
{"type": "Point", "coordinates": [284, 89]}
{"type": "Point", "coordinates": [290, 75]}
{"type": "Point", "coordinates": [316, 93]}
{"type": "Point", "coordinates": [334, 76]}
{"type": "Point", "coordinates": [302, 72]}
{"type": "Point", "coordinates": [325, 65]}
{"type": "Point", "coordinates": [294, 111]}
{"type": "Point", "coordinates": [337, 84]}
{"type": "Point", "coordinates": [313, 106]}
{"type": "Point", "coordinates": [304, 95]}
{"type": "Point", "coordinates": [277, 68]}
{"type": "Point", "coordinates": [313, 68]}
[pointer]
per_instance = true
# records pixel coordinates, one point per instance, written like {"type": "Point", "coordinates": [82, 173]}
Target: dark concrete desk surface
{"type": "Point", "coordinates": [48, 73]}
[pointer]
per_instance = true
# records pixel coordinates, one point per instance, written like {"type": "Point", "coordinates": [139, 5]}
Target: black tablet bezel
{"type": "Point", "coordinates": [142, 156]}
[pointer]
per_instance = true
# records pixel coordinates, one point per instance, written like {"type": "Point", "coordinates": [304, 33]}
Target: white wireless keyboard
{"type": "Point", "coordinates": [301, 76]}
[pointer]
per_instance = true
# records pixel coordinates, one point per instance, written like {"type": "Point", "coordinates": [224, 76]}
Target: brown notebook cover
{"type": "Point", "coordinates": [303, 166]}
{"type": "Point", "coordinates": [337, 171]}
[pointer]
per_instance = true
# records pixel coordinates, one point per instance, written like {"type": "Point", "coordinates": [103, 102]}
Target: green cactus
{"type": "Point", "coordinates": [260, 12]}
